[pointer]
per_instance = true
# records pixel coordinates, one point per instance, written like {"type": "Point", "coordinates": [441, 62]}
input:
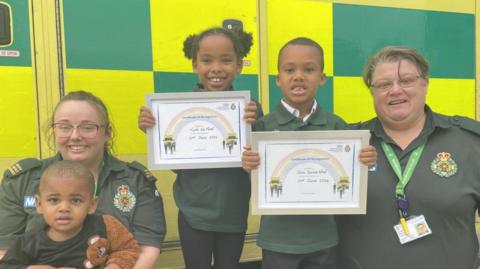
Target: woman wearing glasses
{"type": "Point", "coordinates": [425, 190]}
{"type": "Point", "coordinates": [82, 131]}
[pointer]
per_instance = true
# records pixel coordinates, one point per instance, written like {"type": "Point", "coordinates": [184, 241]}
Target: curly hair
{"type": "Point", "coordinates": [242, 42]}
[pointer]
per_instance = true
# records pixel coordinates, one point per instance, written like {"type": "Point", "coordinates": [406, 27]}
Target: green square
{"type": "Point", "coordinates": [445, 39]}
{"type": "Point", "coordinates": [108, 34]}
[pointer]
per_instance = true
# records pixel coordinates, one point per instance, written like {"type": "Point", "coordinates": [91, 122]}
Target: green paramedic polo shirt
{"type": "Point", "coordinates": [444, 187]}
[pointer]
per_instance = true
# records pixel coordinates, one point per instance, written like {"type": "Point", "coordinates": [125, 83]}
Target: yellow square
{"type": "Point", "coordinates": [123, 92]}
{"type": "Point", "coordinates": [288, 19]}
{"type": "Point", "coordinates": [174, 21]}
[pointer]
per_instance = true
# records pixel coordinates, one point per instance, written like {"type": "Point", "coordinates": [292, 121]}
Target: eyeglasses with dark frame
{"type": "Point", "coordinates": [385, 85]}
{"type": "Point", "coordinates": [87, 130]}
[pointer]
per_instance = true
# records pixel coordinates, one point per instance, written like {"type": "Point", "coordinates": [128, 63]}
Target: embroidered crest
{"type": "Point", "coordinates": [444, 165]}
{"type": "Point", "coordinates": [124, 199]}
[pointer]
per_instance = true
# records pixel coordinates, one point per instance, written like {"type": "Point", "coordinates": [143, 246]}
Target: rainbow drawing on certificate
{"type": "Point", "coordinates": [316, 166]}
{"type": "Point", "coordinates": [313, 172]}
{"type": "Point", "coordinates": [200, 131]}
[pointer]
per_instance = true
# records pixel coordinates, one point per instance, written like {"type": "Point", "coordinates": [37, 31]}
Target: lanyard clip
{"type": "Point", "coordinates": [402, 204]}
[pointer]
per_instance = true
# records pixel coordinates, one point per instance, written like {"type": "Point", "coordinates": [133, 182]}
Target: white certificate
{"type": "Point", "coordinates": [309, 172]}
{"type": "Point", "coordinates": [197, 130]}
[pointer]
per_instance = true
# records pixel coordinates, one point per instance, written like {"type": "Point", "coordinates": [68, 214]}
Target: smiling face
{"type": "Point", "coordinates": [88, 150]}
{"type": "Point", "coordinates": [399, 107]}
{"type": "Point", "coordinates": [299, 76]}
{"type": "Point", "coordinates": [216, 63]}
{"type": "Point", "coordinates": [64, 202]}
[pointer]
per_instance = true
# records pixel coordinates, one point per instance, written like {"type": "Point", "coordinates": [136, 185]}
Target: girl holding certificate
{"type": "Point", "coordinates": [213, 203]}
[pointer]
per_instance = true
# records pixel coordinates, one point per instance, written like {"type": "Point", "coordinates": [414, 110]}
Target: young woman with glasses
{"type": "Point", "coordinates": [82, 131]}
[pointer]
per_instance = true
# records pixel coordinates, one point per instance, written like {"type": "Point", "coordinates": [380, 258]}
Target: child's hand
{"type": "Point", "coordinates": [250, 159]}
{"type": "Point", "coordinates": [145, 119]}
{"type": "Point", "coordinates": [368, 156]}
{"type": "Point", "coordinates": [250, 112]}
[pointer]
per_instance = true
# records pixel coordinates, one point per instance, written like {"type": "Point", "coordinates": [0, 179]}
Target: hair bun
{"type": "Point", "coordinates": [188, 45]}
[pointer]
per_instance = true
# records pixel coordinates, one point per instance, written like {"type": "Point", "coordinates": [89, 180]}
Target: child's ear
{"type": "Point", "coordinates": [93, 205]}
{"type": "Point", "coordinates": [38, 204]}
{"type": "Point", "coordinates": [323, 79]}
{"type": "Point", "coordinates": [239, 67]}
{"type": "Point", "coordinates": [194, 66]}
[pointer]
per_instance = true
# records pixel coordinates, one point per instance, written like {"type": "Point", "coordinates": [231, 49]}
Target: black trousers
{"type": "Point", "coordinates": [198, 247]}
{"type": "Point", "coordinates": [324, 259]}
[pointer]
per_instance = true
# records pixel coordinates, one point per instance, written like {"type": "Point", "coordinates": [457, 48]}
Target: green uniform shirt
{"type": "Point", "coordinates": [125, 190]}
{"type": "Point", "coordinates": [214, 199]}
{"type": "Point", "coordinates": [298, 234]}
{"type": "Point", "coordinates": [448, 202]}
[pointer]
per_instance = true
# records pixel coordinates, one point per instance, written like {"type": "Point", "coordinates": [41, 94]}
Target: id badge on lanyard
{"type": "Point", "coordinates": [409, 228]}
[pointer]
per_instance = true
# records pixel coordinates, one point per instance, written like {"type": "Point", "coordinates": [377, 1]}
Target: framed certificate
{"type": "Point", "coordinates": [309, 173]}
{"type": "Point", "coordinates": [197, 130]}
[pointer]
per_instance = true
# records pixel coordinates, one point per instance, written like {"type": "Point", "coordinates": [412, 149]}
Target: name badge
{"type": "Point", "coordinates": [28, 201]}
{"type": "Point", "coordinates": [417, 228]}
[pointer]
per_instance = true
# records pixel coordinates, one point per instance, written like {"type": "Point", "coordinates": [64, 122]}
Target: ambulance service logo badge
{"type": "Point", "coordinates": [443, 165]}
{"type": "Point", "coordinates": [124, 199]}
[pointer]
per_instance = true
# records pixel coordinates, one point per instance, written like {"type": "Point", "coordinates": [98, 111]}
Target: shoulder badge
{"type": "Point", "coordinates": [444, 165]}
{"type": "Point", "coordinates": [124, 199]}
{"type": "Point", "coordinates": [140, 167]}
{"type": "Point", "coordinates": [22, 166]}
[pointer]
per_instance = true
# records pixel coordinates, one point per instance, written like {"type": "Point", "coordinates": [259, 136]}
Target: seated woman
{"type": "Point", "coordinates": [82, 131]}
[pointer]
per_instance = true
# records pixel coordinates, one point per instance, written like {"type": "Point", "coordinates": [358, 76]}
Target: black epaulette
{"type": "Point", "coordinates": [21, 167]}
{"type": "Point", "coordinates": [140, 167]}
{"type": "Point", "coordinates": [466, 124]}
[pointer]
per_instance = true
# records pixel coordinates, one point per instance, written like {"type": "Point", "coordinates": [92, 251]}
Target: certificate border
{"type": "Point", "coordinates": [195, 163]}
{"type": "Point", "coordinates": [296, 208]}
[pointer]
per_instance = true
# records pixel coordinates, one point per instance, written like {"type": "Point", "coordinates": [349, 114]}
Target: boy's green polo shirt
{"type": "Point", "coordinates": [298, 234]}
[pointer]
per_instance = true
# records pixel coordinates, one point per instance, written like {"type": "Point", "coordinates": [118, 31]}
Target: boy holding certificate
{"type": "Point", "coordinates": [299, 241]}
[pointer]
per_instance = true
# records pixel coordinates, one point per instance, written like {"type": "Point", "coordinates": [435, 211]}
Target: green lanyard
{"type": "Point", "coordinates": [404, 178]}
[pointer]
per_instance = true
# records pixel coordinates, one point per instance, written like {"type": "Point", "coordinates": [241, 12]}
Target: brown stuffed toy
{"type": "Point", "coordinates": [119, 247]}
{"type": "Point", "coordinates": [97, 252]}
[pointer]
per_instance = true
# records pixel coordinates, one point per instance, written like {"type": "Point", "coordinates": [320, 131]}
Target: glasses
{"type": "Point", "coordinates": [87, 130]}
{"type": "Point", "coordinates": [404, 82]}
